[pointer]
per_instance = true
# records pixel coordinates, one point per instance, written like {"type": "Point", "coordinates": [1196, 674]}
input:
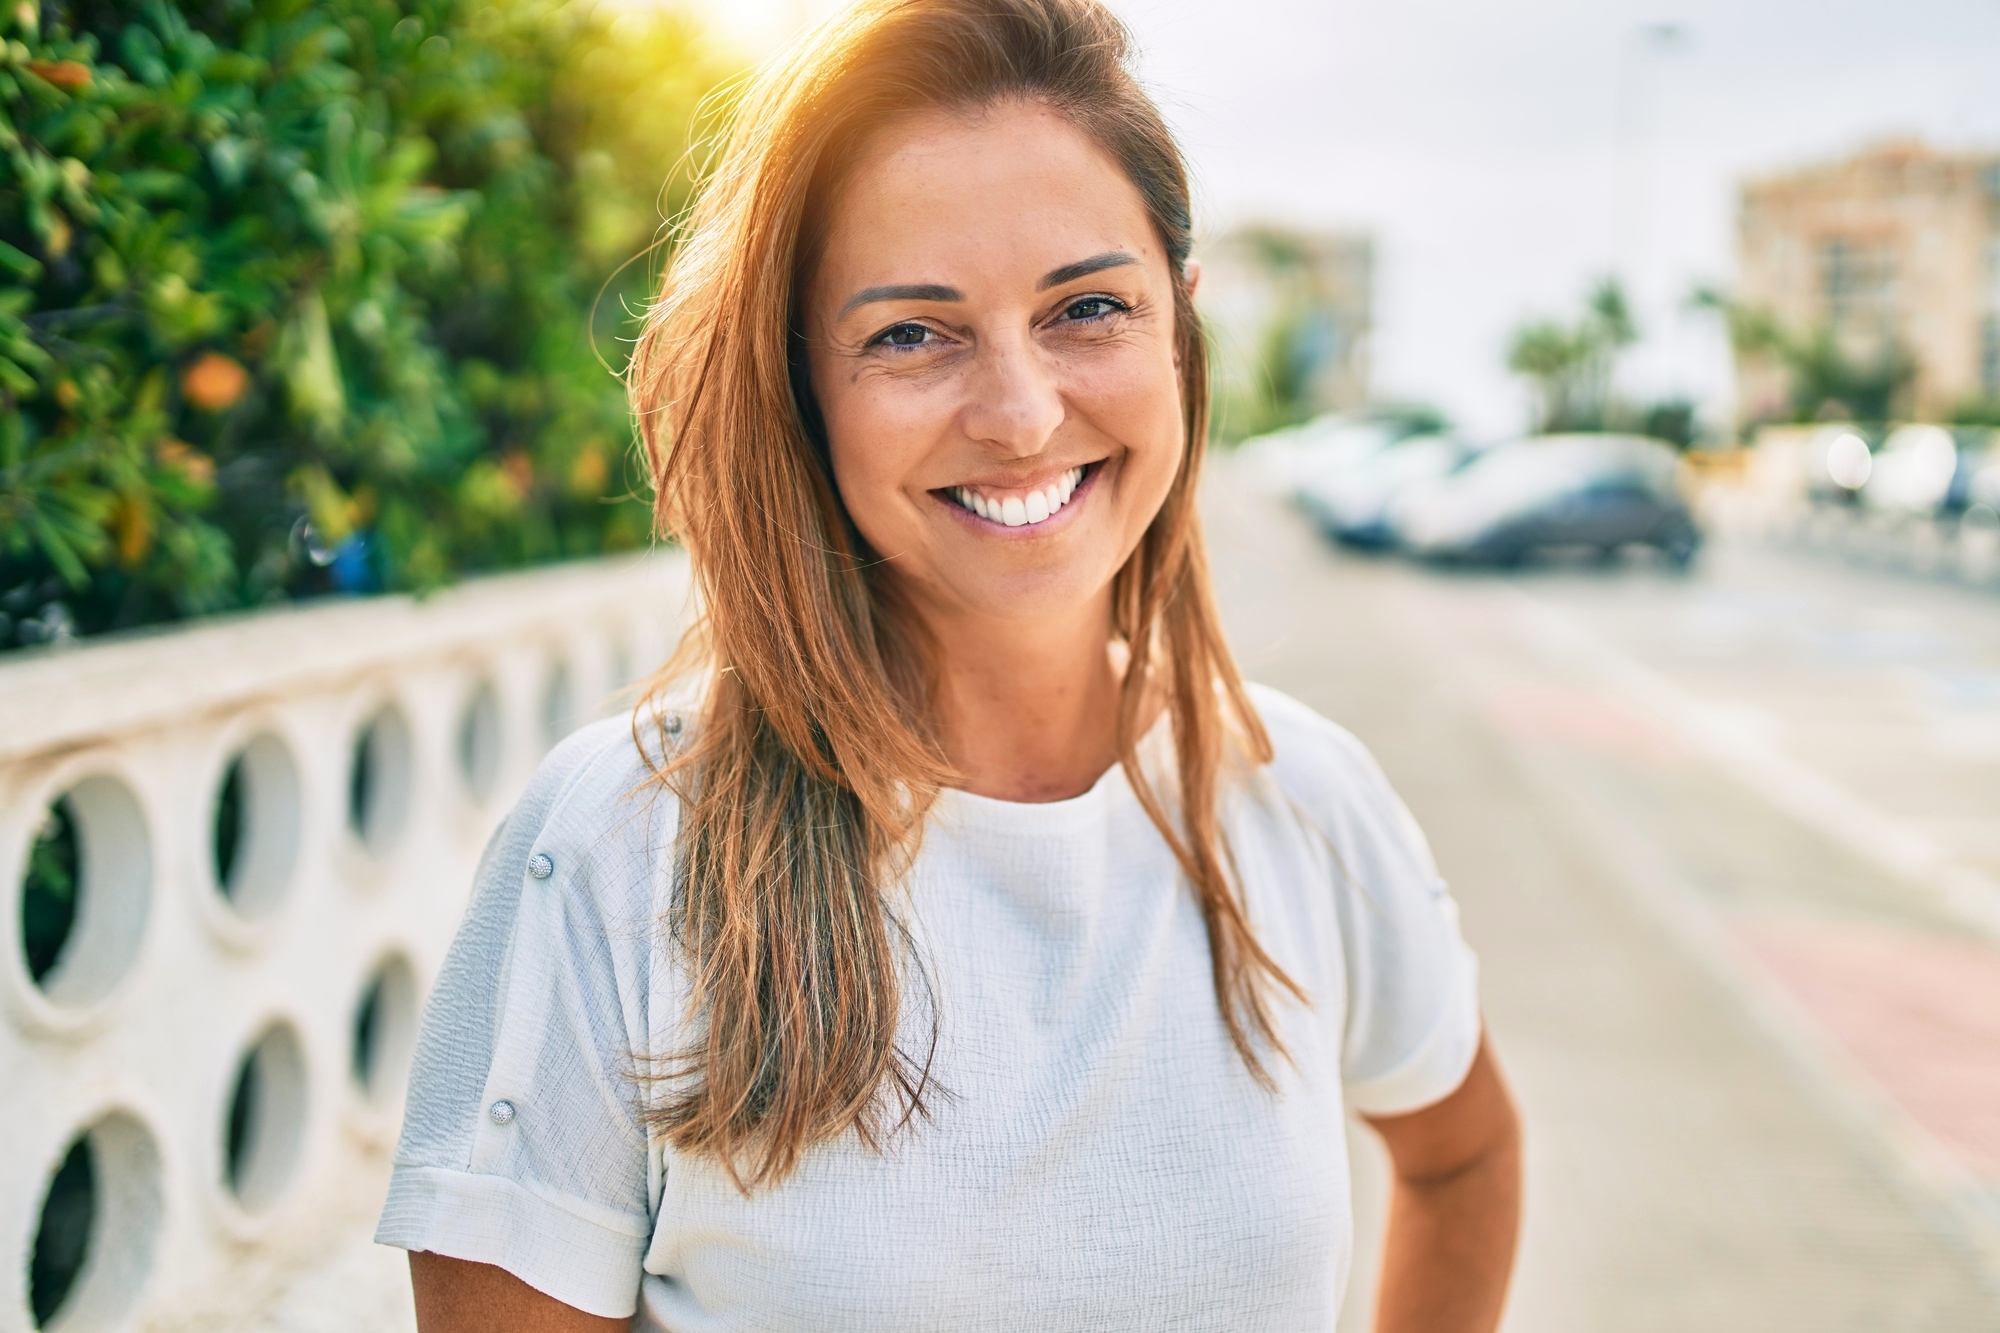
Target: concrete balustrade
{"type": "Point", "coordinates": [270, 825]}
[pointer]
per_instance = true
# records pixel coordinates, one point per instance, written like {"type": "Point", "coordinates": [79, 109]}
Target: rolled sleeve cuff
{"type": "Point", "coordinates": [1437, 1067]}
{"type": "Point", "coordinates": [591, 1263]}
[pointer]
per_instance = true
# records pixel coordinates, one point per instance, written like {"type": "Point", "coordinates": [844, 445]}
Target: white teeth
{"type": "Point", "coordinates": [1022, 511]}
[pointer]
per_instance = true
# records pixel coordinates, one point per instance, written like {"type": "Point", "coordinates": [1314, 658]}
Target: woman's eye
{"type": "Point", "coordinates": [1090, 307]}
{"type": "Point", "coordinates": [905, 335]}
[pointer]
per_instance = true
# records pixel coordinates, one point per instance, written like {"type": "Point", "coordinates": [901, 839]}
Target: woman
{"type": "Point", "coordinates": [961, 944]}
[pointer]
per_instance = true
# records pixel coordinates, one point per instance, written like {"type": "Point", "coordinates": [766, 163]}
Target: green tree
{"type": "Point", "coordinates": [297, 297]}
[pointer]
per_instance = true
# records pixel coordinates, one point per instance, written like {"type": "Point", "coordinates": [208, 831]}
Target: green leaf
{"type": "Point", "coordinates": [19, 263]}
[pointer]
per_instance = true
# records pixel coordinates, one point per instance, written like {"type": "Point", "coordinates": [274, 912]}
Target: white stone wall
{"type": "Point", "coordinates": [169, 982]}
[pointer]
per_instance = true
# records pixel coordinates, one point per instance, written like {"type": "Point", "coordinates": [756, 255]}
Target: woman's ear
{"type": "Point", "coordinates": [1192, 272]}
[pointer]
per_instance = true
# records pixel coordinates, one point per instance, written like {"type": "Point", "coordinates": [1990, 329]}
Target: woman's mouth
{"type": "Point", "coordinates": [1016, 508]}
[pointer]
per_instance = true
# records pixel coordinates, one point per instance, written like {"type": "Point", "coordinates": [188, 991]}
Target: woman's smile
{"type": "Point", "coordinates": [1015, 505]}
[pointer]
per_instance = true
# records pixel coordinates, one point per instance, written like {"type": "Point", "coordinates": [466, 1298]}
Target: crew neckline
{"type": "Point", "coordinates": [970, 809]}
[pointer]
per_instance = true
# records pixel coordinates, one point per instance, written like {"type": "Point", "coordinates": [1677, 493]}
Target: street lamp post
{"type": "Point", "coordinates": [1634, 93]}
{"type": "Point", "coordinates": [1632, 149]}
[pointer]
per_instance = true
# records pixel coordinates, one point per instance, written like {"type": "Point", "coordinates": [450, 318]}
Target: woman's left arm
{"type": "Point", "coordinates": [1455, 1211]}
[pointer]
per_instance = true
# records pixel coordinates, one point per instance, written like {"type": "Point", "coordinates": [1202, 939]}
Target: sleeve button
{"type": "Point", "coordinates": [673, 724]}
{"type": "Point", "coordinates": [500, 1113]}
{"type": "Point", "coordinates": [540, 866]}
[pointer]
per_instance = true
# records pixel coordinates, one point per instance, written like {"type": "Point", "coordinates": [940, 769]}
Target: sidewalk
{"type": "Point", "coordinates": [1702, 1153]}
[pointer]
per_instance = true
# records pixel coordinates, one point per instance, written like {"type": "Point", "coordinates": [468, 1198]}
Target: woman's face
{"type": "Point", "coordinates": [991, 339]}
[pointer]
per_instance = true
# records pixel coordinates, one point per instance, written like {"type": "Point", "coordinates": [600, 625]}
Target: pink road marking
{"type": "Point", "coordinates": [1583, 719]}
{"type": "Point", "coordinates": [1920, 1013]}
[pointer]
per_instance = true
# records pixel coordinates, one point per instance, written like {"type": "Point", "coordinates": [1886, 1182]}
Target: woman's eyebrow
{"type": "Point", "coordinates": [1083, 268]}
{"type": "Point", "coordinates": [916, 291]}
{"type": "Point", "coordinates": [931, 291]}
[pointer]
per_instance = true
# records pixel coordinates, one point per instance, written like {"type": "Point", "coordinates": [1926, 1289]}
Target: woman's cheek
{"type": "Point", "coordinates": [1135, 399]}
{"type": "Point", "coordinates": [876, 441]}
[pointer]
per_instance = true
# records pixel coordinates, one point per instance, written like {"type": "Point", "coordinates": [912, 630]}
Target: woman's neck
{"type": "Point", "coordinates": [1028, 712]}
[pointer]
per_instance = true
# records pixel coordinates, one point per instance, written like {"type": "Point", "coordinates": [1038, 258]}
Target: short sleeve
{"type": "Point", "coordinates": [523, 1141]}
{"type": "Point", "coordinates": [1412, 1015]}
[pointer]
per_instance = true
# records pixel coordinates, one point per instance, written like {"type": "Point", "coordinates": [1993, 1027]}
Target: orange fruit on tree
{"type": "Point", "coordinates": [214, 382]}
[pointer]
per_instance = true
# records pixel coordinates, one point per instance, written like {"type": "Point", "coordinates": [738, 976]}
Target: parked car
{"type": "Point", "coordinates": [1351, 504]}
{"type": "Point", "coordinates": [1597, 492]}
{"type": "Point", "coordinates": [1914, 472]}
{"type": "Point", "coordinates": [1977, 485]}
{"type": "Point", "coordinates": [1839, 461]}
{"type": "Point", "coordinates": [1288, 459]}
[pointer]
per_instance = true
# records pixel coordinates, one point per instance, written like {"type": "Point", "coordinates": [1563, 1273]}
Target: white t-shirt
{"type": "Point", "coordinates": [1100, 1158]}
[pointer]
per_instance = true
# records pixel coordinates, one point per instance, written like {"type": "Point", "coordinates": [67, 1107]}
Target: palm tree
{"type": "Point", "coordinates": [1571, 365]}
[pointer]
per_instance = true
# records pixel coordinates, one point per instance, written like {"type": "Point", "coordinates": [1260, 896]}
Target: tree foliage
{"type": "Point", "coordinates": [1822, 378]}
{"type": "Point", "coordinates": [1573, 368]}
{"type": "Point", "coordinates": [298, 297]}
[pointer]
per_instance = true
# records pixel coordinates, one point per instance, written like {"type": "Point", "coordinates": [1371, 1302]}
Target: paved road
{"type": "Point", "coordinates": [1727, 846]}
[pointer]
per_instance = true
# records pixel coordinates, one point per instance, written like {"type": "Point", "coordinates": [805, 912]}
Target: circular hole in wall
{"type": "Point", "coordinates": [255, 832]}
{"type": "Point", "coordinates": [266, 1120]}
{"type": "Point", "coordinates": [479, 741]}
{"type": "Point", "coordinates": [558, 705]}
{"type": "Point", "coordinates": [385, 1028]}
{"type": "Point", "coordinates": [85, 891]}
{"type": "Point", "coordinates": [378, 781]}
{"type": "Point", "coordinates": [95, 1233]}
{"type": "Point", "coordinates": [49, 889]}
{"type": "Point", "coordinates": [62, 1233]}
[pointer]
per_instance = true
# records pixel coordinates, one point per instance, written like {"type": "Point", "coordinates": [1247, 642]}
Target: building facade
{"type": "Point", "coordinates": [1886, 259]}
{"type": "Point", "coordinates": [1289, 313]}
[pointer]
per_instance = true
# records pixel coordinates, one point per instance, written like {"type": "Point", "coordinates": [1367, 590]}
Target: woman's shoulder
{"type": "Point", "coordinates": [1328, 775]}
{"type": "Point", "coordinates": [1308, 748]}
{"type": "Point", "coordinates": [597, 798]}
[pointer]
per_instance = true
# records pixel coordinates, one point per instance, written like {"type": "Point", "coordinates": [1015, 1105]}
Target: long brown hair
{"type": "Point", "coordinates": [806, 783]}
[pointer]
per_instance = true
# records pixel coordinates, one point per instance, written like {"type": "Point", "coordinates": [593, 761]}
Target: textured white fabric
{"type": "Point", "coordinates": [1100, 1159]}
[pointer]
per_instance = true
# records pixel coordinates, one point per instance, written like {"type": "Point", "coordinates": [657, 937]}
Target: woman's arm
{"type": "Point", "coordinates": [459, 1296]}
{"type": "Point", "coordinates": [1455, 1210]}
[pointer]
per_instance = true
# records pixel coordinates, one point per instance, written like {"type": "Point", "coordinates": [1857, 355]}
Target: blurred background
{"type": "Point", "coordinates": [1605, 433]}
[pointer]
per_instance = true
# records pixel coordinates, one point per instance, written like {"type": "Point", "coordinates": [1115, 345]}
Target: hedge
{"type": "Point", "coordinates": [304, 298]}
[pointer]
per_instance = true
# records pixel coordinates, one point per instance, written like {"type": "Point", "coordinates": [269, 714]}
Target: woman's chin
{"type": "Point", "coordinates": [1035, 595]}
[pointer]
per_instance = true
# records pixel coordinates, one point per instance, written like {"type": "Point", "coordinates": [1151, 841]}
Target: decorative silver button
{"type": "Point", "coordinates": [673, 724]}
{"type": "Point", "coordinates": [540, 866]}
{"type": "Point", "coordinates": [501, 1112]}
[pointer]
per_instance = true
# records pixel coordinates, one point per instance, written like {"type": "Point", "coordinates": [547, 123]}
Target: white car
{"type": "Point", "coordinates": [1913, 473]}
{"type": "Point", "coordinates": [1598, 492]}
{"type": "Point", "coordinates": [1285, 460]}
{"type": "Point", "coordinates": [1351, 504]}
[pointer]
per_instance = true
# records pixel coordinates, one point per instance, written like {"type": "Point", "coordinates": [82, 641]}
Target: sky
{"type": "Point", "coordinates": [1506, 154]}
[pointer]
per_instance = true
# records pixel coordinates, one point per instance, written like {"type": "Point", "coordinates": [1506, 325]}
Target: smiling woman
{"type": "Point", "coordinates": [952, 940]}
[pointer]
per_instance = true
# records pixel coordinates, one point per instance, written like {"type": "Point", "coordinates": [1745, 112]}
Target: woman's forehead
{"type": "Point", "coordinates": [1011, 192]}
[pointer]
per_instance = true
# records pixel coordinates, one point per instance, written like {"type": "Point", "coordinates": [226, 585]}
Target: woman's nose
{"type": "Point", "coordinates": [1015, 404]}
